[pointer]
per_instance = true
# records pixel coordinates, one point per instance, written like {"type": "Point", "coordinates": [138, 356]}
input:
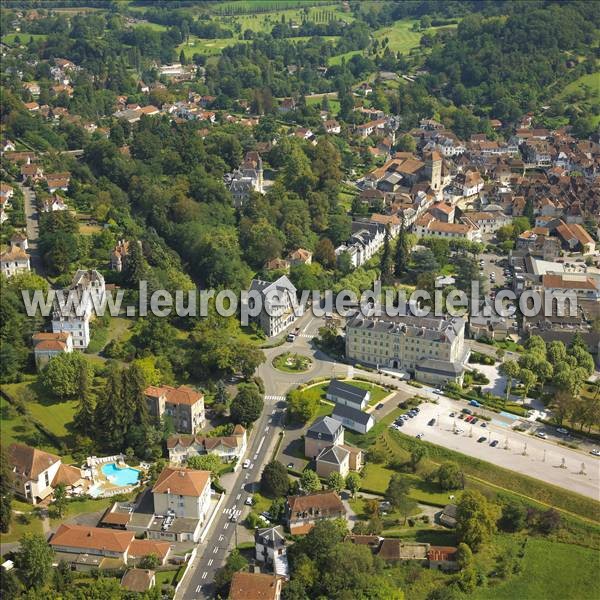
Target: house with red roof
{"type": "Point", "coordinates": [183, 405]}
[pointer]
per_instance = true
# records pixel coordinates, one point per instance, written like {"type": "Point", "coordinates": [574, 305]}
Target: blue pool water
{"type": "Point", "coordinates": [120, 476]}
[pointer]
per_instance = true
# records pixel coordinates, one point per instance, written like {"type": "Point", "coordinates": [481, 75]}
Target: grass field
{"type": "Point", "coordinates": [9, 38]}
{"type": "Point", "coordinates": [51, 413]}
{"type": "Point", "coordinates": [320, 391]}
{"type": "Point", "coordinates": [198, 45]}
{"type": "Point", "coordinates": [337, 60]}
{"type": "Point", "coordinates": [548, 570]}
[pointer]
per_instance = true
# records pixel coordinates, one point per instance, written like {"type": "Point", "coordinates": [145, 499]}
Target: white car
{"type": "Point", "coordinates": [595, 452]}
{"type": "Point", "coordinates": [541, 434]}
{"type": "Point", "coordinates": [249, 501]}
{"type": "Point", "coordinates": [458, 431]}
{"type": "Point", "coordinates": [246, 464]}
{"type": "Point", "coordinates": [562, 430]}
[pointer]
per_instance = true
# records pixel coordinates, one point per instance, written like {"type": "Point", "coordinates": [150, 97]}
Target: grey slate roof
{"type": "Point", "coordinates": [347, 391]}
{"type": "Point", "coordinates": [324, 428]}
{"type": "Point", "coordinates": [270, 536]}
{"type": "Point", "coordinates": [429, 328]}
{"type": "Point", "coordinates": [333, 454]}
{"type": "Point", "coordinates": [441, 367]}
{"type": "Point", "coordinates": [346, 412]}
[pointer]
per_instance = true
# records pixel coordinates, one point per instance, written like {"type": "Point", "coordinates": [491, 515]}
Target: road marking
{"type": "Point", "coordinates": [221, 538]}
{"type": "Point", "coordinates": [210, 562]}
{"type": "Point", "coordinates": [238, 496]}
{"type": "Point", "coordinates": [266, 428]}
{"type": "Point", "coordinates": [226, 525]}
{"type": "Point", "coordinates": [274, 398]}
{"type": "Point", "coordinates": [262, 441]}
{"type": "Point", "coordinates": [205, 575]}
{"type": "Point", "coordinates": [274, 411]}
{"type": "Point", "coordinates": [311, 320]}
{"type": "Point", "coordinates": [198, 588]}
{"type": "Point", "coordinates": [215, 549]}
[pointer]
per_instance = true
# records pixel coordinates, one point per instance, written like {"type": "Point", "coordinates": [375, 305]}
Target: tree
{"type": "Point", "coordinates": [325, 253]}
{"type": "Point", "coordinates": [84, 417]}
{"type": "Point", "coordinates": [63, 576]}
{"type": "Point", "coordinates": [510, 369]}
{"type": "Point", "coordinates": [150, 561]}
{"type": "Point", "coordinates": [247, 405]}
{"type": "Point", "coordinates": [406, 143]}
{"type": "Point", "coordinates": [274, 481]}
{"type": "Point", "coordinates": [235, 562]}
{"type": "Point", "coordinates": [335, 482]}
{"type": "Point", "coordinates": [402, 252]}
{"type": "Point", "coordinates": [60, 499]}
{"type": "Point", "coordinates": [310, 482]}
{"type": "Point", "coordinates": [528, 379]}
{"type": "Point", "coordinates": [62, 375]}
{"type": "Point", "coordinates": [464, 556]}
{"type": "Point", "coordinates": [397, 495]}
{"type": "Point", "coordinates": [34, 560]}
{"type": "Point", "coordinates": [6, 491]}
{"type": "Point", "coordinates": [133, 392]}
{"type": "Point", "coordinates": [450, 477]}
{"type": "Point", "coordinates": [513, 517]}
{"type": "Point", "coordinates": [416, 456]}
{"type": "Point", "coordinates": [353, 483]}
{"type": "Point", "coordinates": [206, 462]}
{"type": "Point", "coordinates": [475, 519]}
{"type": "Point", "coordinates": [387, 262]}
{"type": "Point", "coordinates": [301, 407]}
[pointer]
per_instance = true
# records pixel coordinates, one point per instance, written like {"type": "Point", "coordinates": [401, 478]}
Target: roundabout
{"type": "Point", "coordinates": [291, 362]}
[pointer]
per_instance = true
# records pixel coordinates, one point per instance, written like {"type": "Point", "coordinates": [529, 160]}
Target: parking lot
{"type": "Point", "coordinates": [523, 453]}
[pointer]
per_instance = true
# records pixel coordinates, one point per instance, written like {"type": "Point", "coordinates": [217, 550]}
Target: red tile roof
{"type": "Point", "coordinates": [96, 538]}
{"type": "Point", "coordinates": [185, 482]}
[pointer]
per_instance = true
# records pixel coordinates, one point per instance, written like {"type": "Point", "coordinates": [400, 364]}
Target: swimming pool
{"type": "Point", "coordinates": [120, 476]}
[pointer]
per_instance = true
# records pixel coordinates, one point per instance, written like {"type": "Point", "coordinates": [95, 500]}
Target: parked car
{"type": "Point", "coordinates": [467, 411]}
{"type": "Point", "coordinates": [562, 430]}
{"type": "Point", "coordinates": [541, 434]}
{"type": "Point", "coordinates": [431, 422]}
{"type": "Point", "coordinates": [249, 501]}
{"type": "Point", "coordinates": [246, 464]}
{"type": "Point", "coordinates": [494, 443]}
{"type": "Point", "coordinates": [380, 405]}
{"type": "Point", "coordinates": [419, 435]}
{"type": "Point", "coordinates": [290, 465]}
{"type": "Point", "coordinates": [458, 431]}
{"type": "Point", "coordinates": [474, 420]}
{"type": "Point", "coordinates": [482, 439]}
{"type": "Point", "coordinates": [595, 452]}
{"type": "Point", "coordinates": [483, 424]}
{"type": "Point", "coordinates": [461, 416]}
{"type": "Point", "coordinates": [452, 414]}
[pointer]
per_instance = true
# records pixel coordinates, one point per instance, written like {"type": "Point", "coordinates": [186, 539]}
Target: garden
{"type": "Point", "coordinates": [289, 362]}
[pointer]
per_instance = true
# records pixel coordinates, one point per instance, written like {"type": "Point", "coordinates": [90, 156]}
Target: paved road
{"type": "Point", "coordinates": [213, 551]}
{"type": "Point", "coordinates": [199, 582]}
{"type": "Point", "coordinates": [32, 228]}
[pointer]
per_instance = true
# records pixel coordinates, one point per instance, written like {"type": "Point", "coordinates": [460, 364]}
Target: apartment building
{"type": "Point", "coordinates": [432, 349]}
{"type": "Point", "coordinates": [76, 320]}
{"type": "Point", "coordinates": [279, 304]}
{"type": "Point", "coordinates": [183, 405]}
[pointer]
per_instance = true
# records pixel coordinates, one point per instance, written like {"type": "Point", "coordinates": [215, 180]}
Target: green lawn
{"type": "Point", "coordinates": [53, 414]}
{"type": "Point", "coordinates": [9, 38]}
{"type": "Point", "coordinates": [82, 506]}
{"type": "Point", "coordinates": [165, 578]}
{"type": "Point", "coordinates": [198, 45]}
{"type": "Point", "coordinates": [18, 529]}
{"type": "Point", "coordinates": [400, 36]}
{"type": "Point", "coordinates": [319, 391]}
{"type": "Point", "coordinates": [548, 570]}
{"type": "Point", "coordinates": [337, 60]}
{"type": "Point", "coordinates": [292, 363]}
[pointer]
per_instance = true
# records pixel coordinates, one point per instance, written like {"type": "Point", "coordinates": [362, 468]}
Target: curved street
{"type": "Point", "coordinates": [542, 460]}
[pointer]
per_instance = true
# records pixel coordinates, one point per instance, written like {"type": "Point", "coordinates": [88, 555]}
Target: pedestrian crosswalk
{"type": "Point", "coordinates": [306, 335]}
{"type": "Point", "coordinates": [274, 397]}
